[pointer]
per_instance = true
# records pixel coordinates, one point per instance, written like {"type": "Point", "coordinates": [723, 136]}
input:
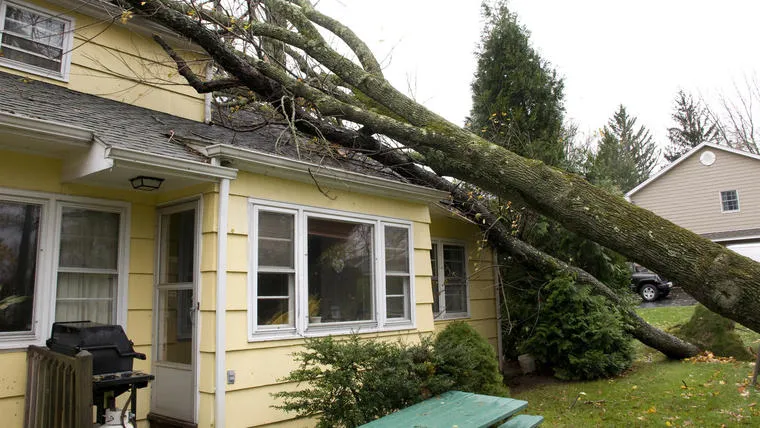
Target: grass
{"type": "Point", "coordinates": [655, 392]}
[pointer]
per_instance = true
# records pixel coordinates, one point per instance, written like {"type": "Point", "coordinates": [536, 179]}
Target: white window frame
{"type": "Point", "coordinates": [301, 326]}
{"type": "Point", "coordinates": [68, 41]}
{"type": "Point", "coordinates": [443, 314]}
{"type": "Point", "coordinates": [720, 197]}
{"type": "Point", "coordinates": [46, 283]}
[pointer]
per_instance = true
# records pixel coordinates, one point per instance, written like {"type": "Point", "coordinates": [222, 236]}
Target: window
{"type": "Point", "coordinates": [34, 41]}
{"type": "Point", "coordinates": [88, 272]}
{"type": "Point", "coordinates": [317, 271]}
{"type": "Point", "coordinates": [449, 266]}
{"type": "Point", "coordinates": [59, 261]}
{"type": "Point", "coordinates": [729, 200]}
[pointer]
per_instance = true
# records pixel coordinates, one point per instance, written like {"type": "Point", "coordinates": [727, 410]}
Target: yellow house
{"type": "Point", "coordinates": [217, 250]}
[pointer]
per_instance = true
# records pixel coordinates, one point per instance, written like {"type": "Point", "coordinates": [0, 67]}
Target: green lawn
{"type": "Point", "coordinates": [655, 392]}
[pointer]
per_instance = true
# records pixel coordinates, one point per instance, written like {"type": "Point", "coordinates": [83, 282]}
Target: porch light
{"type": "Point", "coordinates": [142, 182]}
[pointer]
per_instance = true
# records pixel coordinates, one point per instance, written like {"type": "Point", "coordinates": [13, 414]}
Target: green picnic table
{"type": "Point", "coordinates": [457, 409]}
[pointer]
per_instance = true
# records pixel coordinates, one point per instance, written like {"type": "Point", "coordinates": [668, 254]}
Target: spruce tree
{"type": "Point", "coordinates": [626, 155]}
{"type": "Point", "coordinates": [517, 96]}
{"type": "Point", "coordinates": [693, 126]}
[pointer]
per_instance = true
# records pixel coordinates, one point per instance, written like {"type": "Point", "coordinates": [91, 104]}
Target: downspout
{"type": "Point", "coordinates": [221, 304]}
{"type": "Point", "coordinates": [207, 96]}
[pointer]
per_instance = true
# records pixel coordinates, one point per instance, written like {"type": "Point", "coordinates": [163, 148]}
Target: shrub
{"type": "Point", "coordinates": [577, 336]}
{"type": "Point", "coordinates": [351, 382]}
{"type": "Point", "coordinates": [712, 332]}
{"type": "Point", "coordinates": [468, 360]}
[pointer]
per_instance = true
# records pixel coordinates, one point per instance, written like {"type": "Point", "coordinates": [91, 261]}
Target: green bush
{"type": "Point", "coordinates": [712, 332]}
{"type": "Point", "coordinates": [577, 336]}
{"type": "Point", "coordinates": [468, 360]}
{"type": "Point", "coordinates": [351, 382]}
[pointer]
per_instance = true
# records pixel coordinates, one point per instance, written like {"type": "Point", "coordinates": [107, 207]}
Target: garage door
{"type": "Point", "coordinates": [751, 250]}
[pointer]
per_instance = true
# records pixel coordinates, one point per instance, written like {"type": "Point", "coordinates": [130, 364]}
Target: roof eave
{"type": "Point", "coordinates": [282, 167]}
{"type": "Point", "coordinates": [177, 167]}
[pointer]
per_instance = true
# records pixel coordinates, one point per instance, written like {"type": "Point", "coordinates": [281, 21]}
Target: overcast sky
{"type": "Point", "coordinates": [638, 53]}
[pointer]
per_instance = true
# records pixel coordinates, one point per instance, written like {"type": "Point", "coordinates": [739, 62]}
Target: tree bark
{"type": "Point", "coordinates": [722, 280]}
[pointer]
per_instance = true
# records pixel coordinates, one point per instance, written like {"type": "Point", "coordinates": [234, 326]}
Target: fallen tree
{"type": "Point", "coordinates": [357, 93]}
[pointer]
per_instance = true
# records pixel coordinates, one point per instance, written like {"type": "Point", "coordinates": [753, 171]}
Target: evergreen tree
{"type": "Point", "coordinates": [693, 126]}
{"type": "Point", "coordinates": [626, 155]}
{"type": "Point", "coordinates": [517, 96]}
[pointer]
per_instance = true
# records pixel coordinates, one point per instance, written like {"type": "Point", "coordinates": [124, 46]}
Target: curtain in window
{"type": "Point", "coordinates": [87, 270]}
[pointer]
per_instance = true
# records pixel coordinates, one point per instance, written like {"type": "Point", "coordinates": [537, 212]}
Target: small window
{"type": "Point", "coordinates": [34, 41]}
{"type": "Point", "coordinates": [729, 200]}
{"type": "Point", "coordinates": [450, 293]}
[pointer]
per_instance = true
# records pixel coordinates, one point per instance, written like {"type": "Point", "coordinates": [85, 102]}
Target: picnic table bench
{"type": "Point", "coordinates": [457, 409]}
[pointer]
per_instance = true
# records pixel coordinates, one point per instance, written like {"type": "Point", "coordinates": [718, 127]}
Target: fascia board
{"type": "Point", "coordinates": [53, 131]}
{"type": "Point", "coordinates": [278, 166]}
{"type": "Point", "coordinates": [177, 167]}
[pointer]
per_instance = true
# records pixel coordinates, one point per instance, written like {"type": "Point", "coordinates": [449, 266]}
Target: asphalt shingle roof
{"type": "Point", "coordinates": [127, 126]}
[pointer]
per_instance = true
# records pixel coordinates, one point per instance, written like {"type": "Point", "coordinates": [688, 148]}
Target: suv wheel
{"type": "Point", "coordinates": [649, 292]}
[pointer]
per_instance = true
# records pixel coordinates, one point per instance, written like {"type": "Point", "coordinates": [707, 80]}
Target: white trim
{"type": "Point", "coordinates": [497, 294]}
{"type": "Point", "coordinates": [735, 238]}
{"type": "Point", "coordinates": [57, 132]}
{"type": "Point", "coordinates": [291, 169]}
{"type": "Point", "coordinates": [720, 198]}
{"type": "Point", "coordinates": [220, 349]}
{"type": "Point", "coordinates": [444, 314]}
{"type": "Point", "coordinates": [685, 156]}
{"type": "Point", "coordinates": [66, 45]}
{"type": "Point", "coordinates": [178, 167]}
{"type": "Point", "coordinates": [301, 326]}
{"type": "Point", "coordinates": [47, 260]}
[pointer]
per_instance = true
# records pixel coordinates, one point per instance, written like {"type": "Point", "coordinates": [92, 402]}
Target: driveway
{"type": "Point", "coordinates": [677, 297]}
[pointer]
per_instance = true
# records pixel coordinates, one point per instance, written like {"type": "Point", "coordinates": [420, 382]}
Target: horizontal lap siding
{"type": "Point", "coordinates": [480, 270]}
{"type": "Point", "coordinates": [689, 194]}
{"type": "Point", "coordinates": [113, 62]}
{"type": "Point", "coordinates": [259, 366]}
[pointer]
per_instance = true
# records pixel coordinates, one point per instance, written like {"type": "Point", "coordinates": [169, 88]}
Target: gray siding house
{"type": "Point", "coordinates": [713, 191]}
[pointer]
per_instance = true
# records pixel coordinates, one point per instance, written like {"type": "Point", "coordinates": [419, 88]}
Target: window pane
{"type": "Point", "coordinates": [178, 247]}
{"type": "Point", "coordinates": [456, 296]}
{"type": "Point", "coordinates": [19, 236]}
{"type": "Point", "coordinates": [38, 23]}
{"type": "Point", "coordinates": [276, 239]}
{"type": "Point", "coordinates": [30, 46]}
{"type": "Point", "coordinates": [396, 249]}
{"type": "Point", "coordinates": [274, 284]}
{"type": "Point", "coordinates": [340, 270]}
{"type": "Point", "coordinates": [436, 297]}
{"type": "Point", "coordinates": [273, 312]}
{"type": "Point", "coordinates": [397, 292]}
{"type": "Point", "coordinates": [175, 341]}
{"type": "Point", "coordinates": [89, 239]}
{"type": "Point", "coordinates": [454, 262]}
{"type": "Point", "coordinates": [26, 58]}
{"type": "Point", "coordinates": [85, 297]}
{"type": "Point", "coordinates": [730, 200]}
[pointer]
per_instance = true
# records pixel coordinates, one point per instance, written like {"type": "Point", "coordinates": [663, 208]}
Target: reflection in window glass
{"type": "Point", "coordinates": [276, 269]}
{"type": "Point", "coordinates": [340, 270]}
{"type": "Point", "coordinates": [397, 276]}
{"type": "Point", "coordinates": [178, 252]}
{"type": "Point", "coordinates": [33, 38]}
{"type": "Point", "coordinates": [19, 236]}
{"type": "Point", "coordinates": [449, 265]}
{"type": "Point", "coordinates": [175, 344]}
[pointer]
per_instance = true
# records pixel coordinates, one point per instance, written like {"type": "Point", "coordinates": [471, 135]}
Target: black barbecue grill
{"type": "Point", "coordinates": [112, 357]}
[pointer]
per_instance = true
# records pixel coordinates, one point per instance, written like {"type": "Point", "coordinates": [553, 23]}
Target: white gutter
{"type": "Point", "coordinates": [177, 167]}
{"type": "Point", "coordinates": [58, 132]}
{"type": "Point", "coordinates": [220, 352]}
{"type": "Point", "coordinates": [292, 169]}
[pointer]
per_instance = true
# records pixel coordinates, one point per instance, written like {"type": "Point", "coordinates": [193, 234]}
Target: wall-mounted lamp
{"type": "Point", "coordinates": [148, 184]}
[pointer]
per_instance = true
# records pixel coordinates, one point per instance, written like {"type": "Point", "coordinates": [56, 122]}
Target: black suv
{"type": "Point", "coordinates": [648, 284]}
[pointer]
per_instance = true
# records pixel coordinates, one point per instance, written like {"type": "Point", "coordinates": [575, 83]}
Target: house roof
{"type": "Point", "coordinates": [685, 156]}
{"type": "Point", "coordinates": [130, 127]}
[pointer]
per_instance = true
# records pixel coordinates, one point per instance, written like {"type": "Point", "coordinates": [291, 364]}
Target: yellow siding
{"type": "Point", "coordinates": [482, 286]}
{"type": "Point", "coordinates": [23, 171]}
{"type": "Point", "coordinates": [112, 62]}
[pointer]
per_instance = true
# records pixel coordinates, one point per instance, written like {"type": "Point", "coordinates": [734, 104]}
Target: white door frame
{"type": "Point", "coordinates": [193, 203]}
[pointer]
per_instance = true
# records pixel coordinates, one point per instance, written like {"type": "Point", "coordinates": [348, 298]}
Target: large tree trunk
{"type": "Point", "coordinates": [720, 279]}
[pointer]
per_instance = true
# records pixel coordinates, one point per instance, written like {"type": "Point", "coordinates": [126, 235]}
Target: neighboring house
{"type": "Point", "coordinates": [246, 247]}
{"type": "Point", "coordinates": [711, 190]}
